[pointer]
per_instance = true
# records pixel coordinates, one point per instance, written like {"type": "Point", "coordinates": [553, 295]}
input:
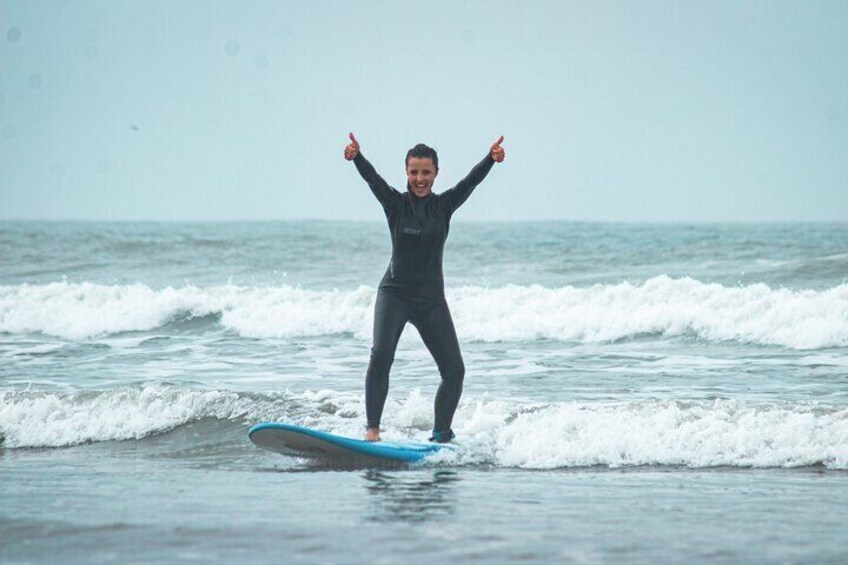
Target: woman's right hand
{"type": "Point", "coordinates": [352, 149]}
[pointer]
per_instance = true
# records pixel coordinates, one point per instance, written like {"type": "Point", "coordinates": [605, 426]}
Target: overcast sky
{"type": "Point", "coordinates": [618, 111]}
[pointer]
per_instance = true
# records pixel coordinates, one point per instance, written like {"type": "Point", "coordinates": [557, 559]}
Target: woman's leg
{"type": "Point", "coordinates": [390, 315]}
{"type": "Point", "coordinates": [435, 325]}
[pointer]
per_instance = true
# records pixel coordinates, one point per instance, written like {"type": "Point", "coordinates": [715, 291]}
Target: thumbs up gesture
{"type": "Point", "coordinates": [497, 151]}
{"type": "Point", "coordinates": [352, 148]}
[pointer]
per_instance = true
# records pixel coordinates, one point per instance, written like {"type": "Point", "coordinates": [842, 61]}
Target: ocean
{"type": "Point", "coordinates": [634, 393]}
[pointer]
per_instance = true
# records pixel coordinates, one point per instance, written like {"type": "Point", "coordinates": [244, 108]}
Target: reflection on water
{"type": "Point", "coordinates": [411, 496]}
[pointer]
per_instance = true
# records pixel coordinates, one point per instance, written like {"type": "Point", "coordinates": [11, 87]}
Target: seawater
{"type": "Point", "coordinates": [634, 392]}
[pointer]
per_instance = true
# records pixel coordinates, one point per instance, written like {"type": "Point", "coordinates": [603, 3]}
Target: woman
{"type": "Point", "coordinates": [413, 288]}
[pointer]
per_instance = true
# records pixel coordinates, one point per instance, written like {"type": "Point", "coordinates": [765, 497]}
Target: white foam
{"type": "Point", "coordinates": [61, 419]}
{"type": "Point", "coordinates": [501, 433]}
{"type": "Point", "coordinates": [669, 433]}
{"type": "Point", "coordinates": [800, 319]}
{"type": "Point", "coordinates": [662, 432]}
{"type": "Point", "coordinates": [85, 310]}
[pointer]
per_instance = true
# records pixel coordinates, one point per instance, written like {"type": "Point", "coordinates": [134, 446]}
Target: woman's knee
{"type": "Point", "coordinates": [381, 360]}
{"type": "Point", "coordinates": [453, 371]}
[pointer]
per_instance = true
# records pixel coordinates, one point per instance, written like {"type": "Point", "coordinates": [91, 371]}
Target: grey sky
{"type": "Point", "coordinates": [209, 110]}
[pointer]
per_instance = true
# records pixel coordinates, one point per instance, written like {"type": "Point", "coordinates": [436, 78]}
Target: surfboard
{"type": "Point", "coordinates": [299, 441]}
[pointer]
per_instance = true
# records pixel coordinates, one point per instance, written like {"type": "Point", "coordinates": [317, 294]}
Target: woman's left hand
{"type": "Point", "coordinates": [498, 151]}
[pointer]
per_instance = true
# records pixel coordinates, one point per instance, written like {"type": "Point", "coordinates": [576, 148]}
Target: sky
{"type": "Point", "coordinates": [654, 111]}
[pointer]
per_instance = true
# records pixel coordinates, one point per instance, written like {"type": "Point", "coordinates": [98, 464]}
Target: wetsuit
{"type": "Point", "coordinates": [413, 290]}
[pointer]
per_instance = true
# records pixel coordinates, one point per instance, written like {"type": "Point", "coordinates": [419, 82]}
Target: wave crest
{"type": "Point", "coordinates": [799, 319]}
{"type": "Point", "coordinates": [506, 434]}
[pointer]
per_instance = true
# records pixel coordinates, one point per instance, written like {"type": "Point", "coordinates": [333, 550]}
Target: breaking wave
{"type": "Point", "coordinates": [506, 434]}
{"type": "Point", "coordinates": [758, 314]}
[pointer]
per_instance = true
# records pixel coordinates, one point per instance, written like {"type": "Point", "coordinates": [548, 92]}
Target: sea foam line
{"type": "Point", "coordinates": [703, 434]}
{"type": "Point", "coordinates": [799, 319]}
{"type": "Point", "coordinates": [502, 433]}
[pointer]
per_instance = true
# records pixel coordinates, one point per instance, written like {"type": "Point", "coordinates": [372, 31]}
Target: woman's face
{"type": "Point", "coordinates": [420, 174]}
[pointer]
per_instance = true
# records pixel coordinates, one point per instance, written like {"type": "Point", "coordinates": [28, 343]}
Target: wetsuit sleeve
{"type": "Point", "coordinates": [454, 197]}
{"type": "Point", "coordinates": [381, 189]}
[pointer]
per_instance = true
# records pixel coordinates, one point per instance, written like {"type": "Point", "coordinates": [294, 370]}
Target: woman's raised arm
{"type": "Point", "coordinates": [381, 189]}
{"type": "Point", "coordinates": [460, 193]}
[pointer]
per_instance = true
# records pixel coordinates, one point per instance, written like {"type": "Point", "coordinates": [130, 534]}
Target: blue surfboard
{"type": "Point", "coordinates": [289, 439]}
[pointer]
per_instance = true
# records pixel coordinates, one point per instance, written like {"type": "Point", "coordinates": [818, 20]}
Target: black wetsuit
{"type": "Point", "coordinates": [413, 290]}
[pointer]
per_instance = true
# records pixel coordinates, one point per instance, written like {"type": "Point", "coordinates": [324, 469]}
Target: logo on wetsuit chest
{"type": "Point", "coordinates": [412, 231]}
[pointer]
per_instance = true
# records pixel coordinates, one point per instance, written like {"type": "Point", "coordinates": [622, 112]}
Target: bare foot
{"type": "Point", "coordinates": [372, 434]}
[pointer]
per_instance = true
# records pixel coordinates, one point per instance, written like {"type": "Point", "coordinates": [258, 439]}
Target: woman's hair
{"type": "Point", "coordinates": [423, 151]}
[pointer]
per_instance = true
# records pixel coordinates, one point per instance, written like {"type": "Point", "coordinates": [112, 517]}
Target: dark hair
{"type": "Point", "coordinates": [425, 152]}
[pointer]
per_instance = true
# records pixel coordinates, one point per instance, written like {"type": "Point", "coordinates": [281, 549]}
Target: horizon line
{"type": "Point", "coordinates": [382, 220]}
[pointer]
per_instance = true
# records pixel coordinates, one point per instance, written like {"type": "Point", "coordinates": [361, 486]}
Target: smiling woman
{"type": "Point", "coordinates": [413, 288]}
